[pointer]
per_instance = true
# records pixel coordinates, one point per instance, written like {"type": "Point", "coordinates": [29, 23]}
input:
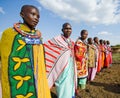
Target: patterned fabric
{"type": "Point", "coordinates": [57, 53]}
{"type": "Point", "coordinates": [99, 57]}
{"type": "Point", "coordinates": [108, 59]}
{"type": "Point", "coordinates": [21, 76]}
{"type": "Point", "coordinates": [91, 56]}
{"type": "Point", "coordinates": [81, 59]}
{"type": "Point", "coordinates": [23, 68]}
{"type": "Point", "coordinates": [60, 65]}
{"type": "Point", "coordinates": [92, 70]}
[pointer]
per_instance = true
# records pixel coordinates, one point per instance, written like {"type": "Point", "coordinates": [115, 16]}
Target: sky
{"type": "Point", "coordinates": [100, 18]}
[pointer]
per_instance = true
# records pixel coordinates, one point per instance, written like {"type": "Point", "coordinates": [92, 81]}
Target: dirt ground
{"type": "Point", "coordinates": [105, 85]}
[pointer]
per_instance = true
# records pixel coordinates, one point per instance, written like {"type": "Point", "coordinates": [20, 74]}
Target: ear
{"type": "Point", "coordinates": [62, 30]}
{"type": "Point", "coordinates": [22, 14]}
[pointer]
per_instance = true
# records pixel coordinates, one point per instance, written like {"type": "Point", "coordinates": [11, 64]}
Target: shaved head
{"type": "Point", "coordinates": [30, 15]}
{"type": "Point", "coordinates": [26, 7]}
{"type": "Point", "coordinates": [65, 24]}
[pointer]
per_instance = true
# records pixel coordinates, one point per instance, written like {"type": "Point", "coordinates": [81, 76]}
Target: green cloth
{"type": "Point", "coordinates": [65, 83]}
{"type": "Point", "coordinates": [21, 75]}
{"type": "Point", "coordinates": [82, 83]}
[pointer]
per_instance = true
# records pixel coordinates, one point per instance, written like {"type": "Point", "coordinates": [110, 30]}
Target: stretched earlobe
{"type": "Point", "coordinates": [21, 14]}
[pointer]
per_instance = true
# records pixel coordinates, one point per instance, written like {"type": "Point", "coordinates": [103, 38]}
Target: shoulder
{"type": "Point", "coordinates": [8, 31]}
{"type": "Point", "coordinates": [57, 37]}
{"type": "Point", "coordinates": [78, 41]}
{"type": "Point", "coordinates": [8, 34]}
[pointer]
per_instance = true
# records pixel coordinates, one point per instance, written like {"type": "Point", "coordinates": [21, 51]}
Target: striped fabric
{"type": "Point", "coordinates": [57, 53]}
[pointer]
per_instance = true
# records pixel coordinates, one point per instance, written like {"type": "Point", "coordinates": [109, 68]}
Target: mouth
{"type": "Point", "coordinates": [35, 22]}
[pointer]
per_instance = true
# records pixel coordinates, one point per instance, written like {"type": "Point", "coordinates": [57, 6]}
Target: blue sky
{"type": "Point", "coordinates": [100, 17]}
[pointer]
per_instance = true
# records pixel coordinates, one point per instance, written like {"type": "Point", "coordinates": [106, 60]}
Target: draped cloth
{"type": "Point", "coordinates": [107, 56]}
{"type": "Point", "coordinates": [108, 59]}
{"type": "Point", "coordinates": [81, 62]}
{"type": "Point", "coordinates": [23, 67]}
{"type": "Point", "coordinates": [81, 59]}
{"type": "Point", "coordinates": [60, 66]}
{"type": "Point", "coordinates": [0, 90]}
{"type": "Point", "coordinates": [110, 54]}
{"type": "Point", "coordinates": [91, 56]}
{"type": "Point", "coordinates": [99, 58]}
{"type": "Point", "coordinates": [92, 59]}
{"type": "Point", "coordinates": [102, 50]}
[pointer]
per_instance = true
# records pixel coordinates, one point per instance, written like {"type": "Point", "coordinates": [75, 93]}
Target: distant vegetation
{"type": "Point", "coordinates": [116, 46]}
{"type": "Point", "coordinates": [116, 53]}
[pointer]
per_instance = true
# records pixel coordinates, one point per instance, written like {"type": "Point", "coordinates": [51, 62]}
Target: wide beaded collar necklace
{"type": "Point", "coordinates": [26, 34]}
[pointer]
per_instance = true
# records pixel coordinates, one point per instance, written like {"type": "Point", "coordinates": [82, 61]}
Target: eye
{"type": "Point", "coordinates": [68, 28]}
{"type": "Point", "coordinates": [32, 13]}
{"type": "Point", "coordinates": [38, 16]}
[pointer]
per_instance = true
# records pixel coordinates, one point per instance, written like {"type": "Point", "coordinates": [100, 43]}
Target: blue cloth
{"type": "Point", "coordinates": [82, 82]}
{"type": "Point", "coordinates": [32, 40]}
{"type": "Point", "coordinates": [65, 83]}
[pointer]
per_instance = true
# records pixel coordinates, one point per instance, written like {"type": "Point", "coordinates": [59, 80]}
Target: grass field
{"type": "Point", "coordinates": [116, 57]}
{"type": "Point", "coordinates": [116, 54]}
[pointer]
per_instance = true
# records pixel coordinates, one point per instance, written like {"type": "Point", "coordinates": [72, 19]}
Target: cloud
{"type": "Point", "coordinates": [104, 33]}
{"type": "Point", "coordinates": [93, 27]}
{"type": "Point", "coordinates": [88, 11]}
{"type": "Point", "coordinates": [40, 8]}
{"type": "Point", "coordinates": [1, 10]}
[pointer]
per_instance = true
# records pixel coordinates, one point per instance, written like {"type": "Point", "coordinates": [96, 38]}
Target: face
{"type": "Point", "coordinates": [108, 42]}
{"type": "Point", "coordinates": [96, 40]}
{"type": "Point", "coordinates": [101, 42]}
{"type": "Point", "coordinates": [84, 35]}
{"type": "Point", "coordinates": [31, 17]}
{"type": "Point", "coordinates": [104, 42]}
{"type": "Point", "coordinates": [91, 41]}
{"type": "Point", "coordinates": [67, 30]}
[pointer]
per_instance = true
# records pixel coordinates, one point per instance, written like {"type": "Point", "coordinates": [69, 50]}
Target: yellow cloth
{"type": "Point", "coordinates": [6, 46]}
{"type": "Point", "coordinates": [43, 89]}
{"type": "Point", "coordinates": [91, 56]}
{"type": "Point", "coordinates": [5, 49]}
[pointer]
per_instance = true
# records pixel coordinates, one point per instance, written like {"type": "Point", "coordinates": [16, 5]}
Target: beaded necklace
{"type": "Point", "coordinates": [68, 41]}
{"type": "Point", "coordinates": [26, 34]}
{"type": "Point", "coordinates": [29, 38]}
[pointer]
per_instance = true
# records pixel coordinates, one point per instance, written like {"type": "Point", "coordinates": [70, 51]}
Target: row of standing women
{"type": "Point", "coordinates": [25, 60]}
{"type": "Point", "coordinates": [91, 57]}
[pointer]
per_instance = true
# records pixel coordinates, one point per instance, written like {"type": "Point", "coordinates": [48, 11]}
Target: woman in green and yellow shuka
{"type": "Point", "coordinates": [22, 57]}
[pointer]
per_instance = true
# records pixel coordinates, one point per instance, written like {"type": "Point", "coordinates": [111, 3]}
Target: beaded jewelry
{"type": "Point", "coordinates": [25, 34]}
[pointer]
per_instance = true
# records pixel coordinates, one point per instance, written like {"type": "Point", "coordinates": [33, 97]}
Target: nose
{"type": "Point", "coordinates": [69, 29]}
{"type": "Point", "coordinates": [36, 18]}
